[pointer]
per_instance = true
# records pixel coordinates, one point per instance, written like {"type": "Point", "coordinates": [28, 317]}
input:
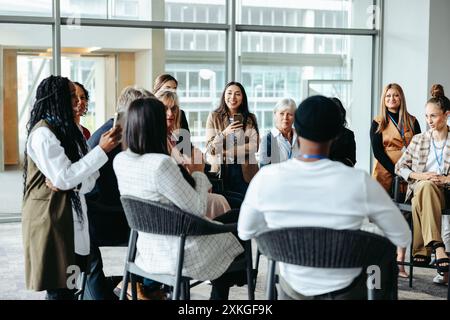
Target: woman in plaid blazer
{"type": "Point", "coordinates": [425, 166]}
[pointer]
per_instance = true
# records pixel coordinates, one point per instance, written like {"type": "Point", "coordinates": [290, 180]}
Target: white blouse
{"type": "Point", "coordinates": [46, 151]}
{"type": "Point", "coordinates": [285, 149]}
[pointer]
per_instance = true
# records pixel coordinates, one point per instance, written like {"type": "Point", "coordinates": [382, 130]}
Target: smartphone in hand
{"type": "Point", "coordinates": [117, 117]}
{"type": "Point", "coordinates": [239, 117]}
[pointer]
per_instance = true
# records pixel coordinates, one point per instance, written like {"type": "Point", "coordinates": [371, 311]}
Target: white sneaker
{"type": "Point", "coordinates": [438, 279]}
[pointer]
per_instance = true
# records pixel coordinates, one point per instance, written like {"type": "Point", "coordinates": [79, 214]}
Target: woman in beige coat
{"type": "Point", "coordinates": [232, 139]}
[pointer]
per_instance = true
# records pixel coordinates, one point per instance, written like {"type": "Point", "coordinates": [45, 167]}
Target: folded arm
{"type": "Point", "coordinates": [46, 151]}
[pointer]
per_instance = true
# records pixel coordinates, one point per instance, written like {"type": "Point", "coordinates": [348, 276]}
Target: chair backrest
{"type": "Point", "coordinates": [324, 248]}
{"type": "Point", "coordinates": [157, 218]}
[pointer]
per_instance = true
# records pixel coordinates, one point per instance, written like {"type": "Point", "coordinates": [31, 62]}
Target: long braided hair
{"type": "Point", "coordinates": [54, 105]}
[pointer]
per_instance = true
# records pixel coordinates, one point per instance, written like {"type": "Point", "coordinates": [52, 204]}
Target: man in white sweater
{"type": "Point", "coordinates": [313, 191]}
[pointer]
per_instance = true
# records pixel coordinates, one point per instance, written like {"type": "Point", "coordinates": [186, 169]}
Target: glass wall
{"type": "Point", "coordinates": [37, 8]}
{"type": "Point", "coordinates": [107, 9]}
{"type": "Point", "coordinates": [271, 65]}
{"type": "Point", "coordinates": [308, 13]}
{"type": "Point", "coordinates": [197, 60]}
{"type": "Point", "coordinates": [24, 66]}
{"type": "Point", "coordinates": [212, 11]}
{"type": "Point", "coordinates": [343, 71]}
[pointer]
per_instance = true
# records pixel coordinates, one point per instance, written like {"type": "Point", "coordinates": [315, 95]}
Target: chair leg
{"type": "Point", "coordinates": [448, 287]}
{"type": "Point", "coordinates": [182, 290]}
{"type": "Point", "coordinates": [83, 285]}
{"type": "Point", "coordinates": [258, 256]}
{"type": "Point", "coordinates": [188, 290]}
{"type": "Point", "coordinates": [411, 260]}
{"type": "Point", "coordinates": [185, 290]}
{"type": "Point", "coordinates": [123, 293]}
{"type": "Point", "coordinates": [133, 287]}
{"type": "Point", "coordinates": [249, 269]}
{"type": "Point", "coordinates": [176, 289]}
{"type": "Point", "coordinates": [178, 275]}
{"type": "Point", "coordinates": [270, 290]}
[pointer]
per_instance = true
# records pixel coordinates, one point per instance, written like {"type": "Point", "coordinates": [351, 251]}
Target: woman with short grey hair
{"type": "Point", "coordinates": [280, 143]}
{"type": "Point", "coordinates": [129, 94]}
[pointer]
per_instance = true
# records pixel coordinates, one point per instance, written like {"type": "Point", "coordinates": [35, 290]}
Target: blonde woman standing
{"type": "Point", "coordinates": [391, 132]}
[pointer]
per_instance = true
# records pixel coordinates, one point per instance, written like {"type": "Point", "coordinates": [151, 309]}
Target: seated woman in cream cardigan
{"type": "Point", "coordinates": [145, 170]}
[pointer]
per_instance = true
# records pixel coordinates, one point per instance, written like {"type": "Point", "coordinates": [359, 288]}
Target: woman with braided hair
{"type": "Point", "coordinates": [58, 170]}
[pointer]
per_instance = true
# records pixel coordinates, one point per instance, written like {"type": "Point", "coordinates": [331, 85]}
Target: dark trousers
{"type": "Point", "coordinates": [97, 285]}
{"type": "Point", "coordinates": [221, 286]}
{"type": "Point", "coordinates": [107, 227]}
{"type": "Point", "coordinates": [66, 293]}
{"type": "Point", "coordinates": [61, 294]}
{"type": "Point", "coordinates": [233, 179]}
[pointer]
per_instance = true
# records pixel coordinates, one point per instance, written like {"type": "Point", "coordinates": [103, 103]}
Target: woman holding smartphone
{"type": "Point", "coordinates": [232, 139]}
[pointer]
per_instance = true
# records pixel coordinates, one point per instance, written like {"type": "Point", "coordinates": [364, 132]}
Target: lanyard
{"type": "Point", "coordinates": [400, 129]}
{"type": "Point", "coordinates": [290, 153]}
{"type": "Point", "coordinates": [313, 156]}
{"type": "Point", "coordinates": [289, 147]}
{"type": "Point", "coordinates": [439, 159]}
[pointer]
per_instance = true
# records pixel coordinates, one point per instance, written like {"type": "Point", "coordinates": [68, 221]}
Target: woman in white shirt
{"type": "Point", "coordinates": [145, 170]}
{"type": "Point", "coordinates": [59, 170]}
{"type": "Point", "coordinates": [280, 144]}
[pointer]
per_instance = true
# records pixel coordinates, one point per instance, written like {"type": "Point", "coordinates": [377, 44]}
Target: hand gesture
{"type": "Point", "coordinates": [439, 180]}
{"type": "Point", "coordinates": [50, 185]}
{"type": "Point", "coordinates": [111, 139]}
{"type": "Point", "coordinates": [232, 127]}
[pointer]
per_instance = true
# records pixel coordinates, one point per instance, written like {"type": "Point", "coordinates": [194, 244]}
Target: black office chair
{"type": "Point", "coordinates": [406, 209]}
{"type": "Point", "coordinates": [153, 217]}
{"type": "Point", "coordinates": [329, 248]}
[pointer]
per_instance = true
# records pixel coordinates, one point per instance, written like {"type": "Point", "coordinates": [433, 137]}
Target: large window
{"type": "Point", "coordinates": [343, 71]}
{"type": "Point", "coordinates": [327, 50]}
{"type": "Point", "coordinates": [24, 66]}
{"type": "Point", "coordinates": [197, 60]}
{"type": "Point", "coordinates": [107, 9]}
{"type": "Point", "coordinates": [37, 8]}
{"type": "Point", "coordinates": [309, 13]}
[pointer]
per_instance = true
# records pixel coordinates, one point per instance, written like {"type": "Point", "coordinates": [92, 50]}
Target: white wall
{"type": "Point", "coordinates": [439, 43]}
{"type": "Point", "coordinates": [406, 51]}
{"type": "Point", "coordinates": [143, 69]}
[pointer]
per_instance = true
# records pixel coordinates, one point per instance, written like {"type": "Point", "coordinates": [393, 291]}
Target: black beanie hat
{"type": "Point", "coordinates": [318, 119]}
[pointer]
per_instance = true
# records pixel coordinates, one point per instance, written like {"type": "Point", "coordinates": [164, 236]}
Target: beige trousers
{"type": "Point", "coordinates": [427, 204]}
